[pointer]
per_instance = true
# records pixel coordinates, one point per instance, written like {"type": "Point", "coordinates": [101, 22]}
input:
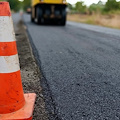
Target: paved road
{"type": "Point", "coordinates": [81, 67]}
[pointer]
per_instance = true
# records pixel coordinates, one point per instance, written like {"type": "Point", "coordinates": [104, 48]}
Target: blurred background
{"type": "Point", "coordinates": [103, 12]}
{"type": "Point", "coordinates": [79, 63]}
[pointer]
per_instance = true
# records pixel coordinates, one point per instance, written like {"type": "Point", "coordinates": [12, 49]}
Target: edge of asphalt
{"type": "Point", "coordinates": [50, 104]}
{"type": "Point", "coordinates": [95, 28]}
{"type": "Point", "coordinates": [29, 71]}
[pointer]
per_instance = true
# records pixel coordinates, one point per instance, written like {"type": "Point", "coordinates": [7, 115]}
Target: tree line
{"type": "Point", "coordinates": [100, 7]}
{"type": "Point", "coordinates": [16, 5]}
{"type": "Point", "coordinates": [79, 7]}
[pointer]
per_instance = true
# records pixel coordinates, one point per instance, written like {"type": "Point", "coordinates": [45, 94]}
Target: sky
{"type": "Point", "coordinates": [87, 2]}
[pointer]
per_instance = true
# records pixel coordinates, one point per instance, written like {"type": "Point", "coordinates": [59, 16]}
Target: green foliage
{"type": "Point", "coordinates": [109, 7]}
{"type": "Point", "coordinates": [80, 7]}
{"type": "Point", "coordinates": [26, 4]}
{"type": "Point", "coordinates": [70, 6]}
{"type": "Point", "coordinates": [96, 7]}
{"type": "Point", "coordinates": [112, 5]}
{"type": "Point", "coordinates": [14, 4]}
{"type": "Point", "coordinates": [119, 5]}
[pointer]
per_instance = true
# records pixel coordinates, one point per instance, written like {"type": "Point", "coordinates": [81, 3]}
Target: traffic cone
{"type": "Point", "coordinates": [14, 104]}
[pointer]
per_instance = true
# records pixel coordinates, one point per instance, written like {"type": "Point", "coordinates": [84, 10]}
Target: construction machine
{"type": "Point", "coordinates": [49, 10]}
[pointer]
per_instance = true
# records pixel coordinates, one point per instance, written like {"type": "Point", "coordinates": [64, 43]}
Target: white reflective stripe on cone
{"type": "Point", "coordinates": [9, 64]}
{"type": "Point", "coordinates": [6, 29]}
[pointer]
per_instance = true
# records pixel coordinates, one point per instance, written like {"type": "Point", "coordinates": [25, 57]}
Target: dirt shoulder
{"type": "Point", "coordinates": [29, 71]}
{"type": "Point", "coordinates": [112, 21]}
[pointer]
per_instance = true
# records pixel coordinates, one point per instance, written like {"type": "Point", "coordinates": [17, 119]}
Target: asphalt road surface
{"type": "Point", "coordinates": [80, 65]}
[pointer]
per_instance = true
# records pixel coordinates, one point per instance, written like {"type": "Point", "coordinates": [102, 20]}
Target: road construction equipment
{"type": "Point", "coordinates": [49, 10]}
{"type": "Point", "coordinates": [14, 104]}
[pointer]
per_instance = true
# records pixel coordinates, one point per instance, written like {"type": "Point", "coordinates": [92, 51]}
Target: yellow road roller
{"type": "Point", "coordinates": [49, 10]}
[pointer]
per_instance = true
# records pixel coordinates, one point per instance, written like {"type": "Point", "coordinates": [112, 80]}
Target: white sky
{"type": "Point", "coordinates": [87, 2]}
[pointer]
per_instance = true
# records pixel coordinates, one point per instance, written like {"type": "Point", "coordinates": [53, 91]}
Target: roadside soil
{"type": "Point", "coordinates": [29, 71]}
{"type": "Point", "coordinates": [112, 20]}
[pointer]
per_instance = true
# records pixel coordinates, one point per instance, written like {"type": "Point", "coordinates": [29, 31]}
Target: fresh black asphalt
{"type": "Point", "coordinates": [80, 65]}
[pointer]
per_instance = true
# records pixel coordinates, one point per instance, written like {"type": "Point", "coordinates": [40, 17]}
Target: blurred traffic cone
{"type": "Point", "coordinates": [14, 104]}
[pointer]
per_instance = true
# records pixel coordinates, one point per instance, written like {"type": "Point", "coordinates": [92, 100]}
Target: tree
{"type": "Point", "coordinates": [119, 4]}
{"type": "Point", "coordinates": [70, 6]}
{"type": "Point", "coordinates": [80, 7]}
{"type": "Point", "coordinates": [111, 5]}
{"type": "Point", "coordinates": [14, 4]}
{"type": "Point", "coordinates": [96, 7]}
{"type": "Point", "coordinates": [26, 4]}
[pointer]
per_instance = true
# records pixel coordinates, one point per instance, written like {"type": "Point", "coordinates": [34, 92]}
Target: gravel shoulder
{"type": "Point", "coordinates": [29, 71]}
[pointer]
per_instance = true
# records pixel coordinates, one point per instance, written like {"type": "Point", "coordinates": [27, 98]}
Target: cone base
{"type": "Point", "coordinates": [24, 113]}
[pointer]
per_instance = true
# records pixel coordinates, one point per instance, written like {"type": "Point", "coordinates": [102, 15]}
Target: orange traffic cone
{"type": "Point", "coordinates": [14, 104]}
